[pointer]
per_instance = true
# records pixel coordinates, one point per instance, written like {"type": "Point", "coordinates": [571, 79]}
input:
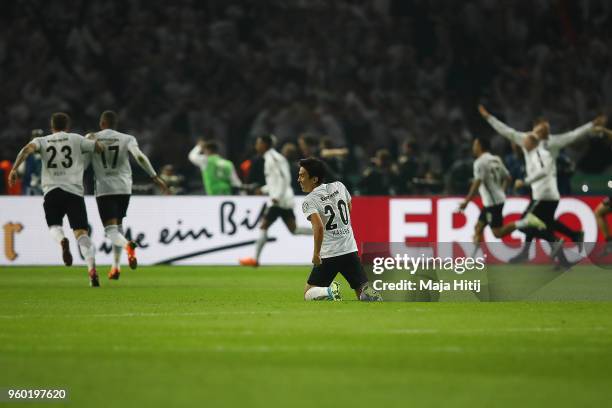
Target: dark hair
{"type": "Point", "coordinates": [315, 168]}
{"type": "Point", "coordinates": [485, 143]}
{"type": "Point", "coordinates": [110, 118]}
{"type": "Point", "coordinates": [211, 146]}
{"type": "Point", "coordinates": [60, 121]}
{"type": "Point", "coordinates": [267, 139]}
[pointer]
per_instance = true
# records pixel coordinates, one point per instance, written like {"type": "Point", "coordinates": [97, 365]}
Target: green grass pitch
{"type": "Point", "coordinates": [234, 337]}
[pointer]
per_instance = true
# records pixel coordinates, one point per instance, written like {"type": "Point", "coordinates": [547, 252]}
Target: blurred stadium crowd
{"type": "Point", "coordinates": [386, 90]}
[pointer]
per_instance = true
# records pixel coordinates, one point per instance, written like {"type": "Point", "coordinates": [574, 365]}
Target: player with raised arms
{"type": "Point", "coordinates": [490, 181]}
{"type": "Point", "coordinates": [541, 176]}
{"type": "Point", "coordinates": [64, 157]}
{"type": "Point", "coordinates": [552, 144]}
{"type": "Point", "coordinates": [113, 186]}
{"type": "Point", "coordinates": [328, 208]}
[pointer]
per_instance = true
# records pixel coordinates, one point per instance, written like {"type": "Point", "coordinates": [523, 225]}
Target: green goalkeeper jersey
{"type": "Point", "coordinates": [217, 175]}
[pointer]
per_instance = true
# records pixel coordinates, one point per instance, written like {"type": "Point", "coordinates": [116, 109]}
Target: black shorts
{"type": "Point", "coordinates": [492, 216]}
{"type": "Point", "coordinates": [58, 203]}
{"type": "Point", "coordinates": [272, 213]}
{"type": "Point", "coordinates": [113, 206]}
{"type": "Point", "coordinates": [348, 265]}
{"type": "Point", "coordinates": [544, 210]}
{"type": "Point", "coordinates": [532, 202]}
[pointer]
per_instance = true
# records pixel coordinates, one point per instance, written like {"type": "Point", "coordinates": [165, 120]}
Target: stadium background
{"type": "Point", "coordinates": [400, 75]}
{"type": "Point", "coordinates": [403, 76]}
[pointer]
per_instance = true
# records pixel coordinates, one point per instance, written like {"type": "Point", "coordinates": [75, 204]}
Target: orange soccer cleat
{"type": "Point", "coordinates": [114, 274]}
{"type": "Point", "coordinates": [248, 262]}
{"type": "Point", "coordinates": [94, 282]}
{"type": "Point", "coordinates": [130, 248]}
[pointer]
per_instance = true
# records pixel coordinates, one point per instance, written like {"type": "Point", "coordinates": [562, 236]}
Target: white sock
{"type": "Point", "coordinates": [259, 244]}
{"type": "Point", "coordinates": [88, 250]}
{"type": "Point", "coordinates": [317, 293]}
{"type": "Point", "coordinates": [302, 231]}
{"type": "Point", "coordinates": [57, 233]}
{"type": "Point", "coordinates": [117, 250]}
{"type": "Point", "coordinates": [522, 223]}
{"type": "Point", "coordinates": [112, 233]}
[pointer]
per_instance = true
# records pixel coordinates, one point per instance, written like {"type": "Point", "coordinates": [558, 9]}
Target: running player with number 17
{"type": "Point", "coordinates": [328, 208]}
{"type": "Point", "coordinates": [114, 184]}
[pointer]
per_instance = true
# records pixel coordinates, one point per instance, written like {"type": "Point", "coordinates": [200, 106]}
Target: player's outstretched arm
{"type": "Point", "coordinates": [567, 138]}
{"type": "Point", "coordinates": [21, 156]}
{"type": "Point", "coordinates": [234, 179]}
{"type": "Point", "coordinates": [317, 229]}
{"type": "Point", "coordinates": [507, 182]}
{"type": "Point", "coordinates": [144, 162]}
{"type": "Point", "coordinates": [163, 187]}
{"type": "Point", "coordinates": [500, 127]}
{"type": "Point", "coordinates": [471, 194]}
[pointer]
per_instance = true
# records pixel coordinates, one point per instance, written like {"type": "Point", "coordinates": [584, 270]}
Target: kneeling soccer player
{"type": "Point", "coordinates": [328, 208]}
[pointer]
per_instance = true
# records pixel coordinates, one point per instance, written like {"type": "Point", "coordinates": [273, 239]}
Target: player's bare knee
{"type": "Point", "coordinates": [79, 232]}
{"type": "Point", "coordinates": [497, 232]}
{"type": "Point", "coordinates": [601, 210]}
{"type": "Point", "coordinates": [112, 221]}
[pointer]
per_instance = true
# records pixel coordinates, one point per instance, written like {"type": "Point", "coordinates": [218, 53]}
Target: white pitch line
{"type": "Point", "coordinates": [497, 330]}
{"type": "Point", "coordinates": [139, 314]}
{"type": "Point", "coordinates": [266, 349]}
{"type": "Point", "coordinates": [155, 314]}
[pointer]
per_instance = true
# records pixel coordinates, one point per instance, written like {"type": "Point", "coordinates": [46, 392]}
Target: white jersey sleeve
{"type": "Point", "coordinates": [63, 157]}
{"type": "Point", "coordinates": [506, 131]}
{"type": "Point", "coordinates": [140, 157]}
{"type": "Point", "coordinates": [557, 142]}
{"type": "Point", "coordinates": [331, 201]}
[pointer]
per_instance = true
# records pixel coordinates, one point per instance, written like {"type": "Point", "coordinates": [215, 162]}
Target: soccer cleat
{"type": "Point", "coordinates": [66, 255]}
{"type": "Point", "coordinates": [333, 292]}
{"type": "Point", "coordinates": [369, 294]}
{"type": "Point", "coordinates": [535, 222]}
{"type": "Point", "coordinates": [94, 281]}
{"type": "Point", "coordinates": [114, 274]}
{"type": "Point", "coordinates": [130, 249]}
{"type": "Point", "coordinates": [248, 262]}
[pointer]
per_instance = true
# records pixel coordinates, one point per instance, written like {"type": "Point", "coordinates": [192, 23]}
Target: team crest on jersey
{"type": "Point", "coordinates": [305, 206]}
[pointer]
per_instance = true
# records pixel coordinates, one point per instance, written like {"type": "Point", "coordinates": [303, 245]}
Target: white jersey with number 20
{"type": "Point", "coordinates": [331, 202]}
